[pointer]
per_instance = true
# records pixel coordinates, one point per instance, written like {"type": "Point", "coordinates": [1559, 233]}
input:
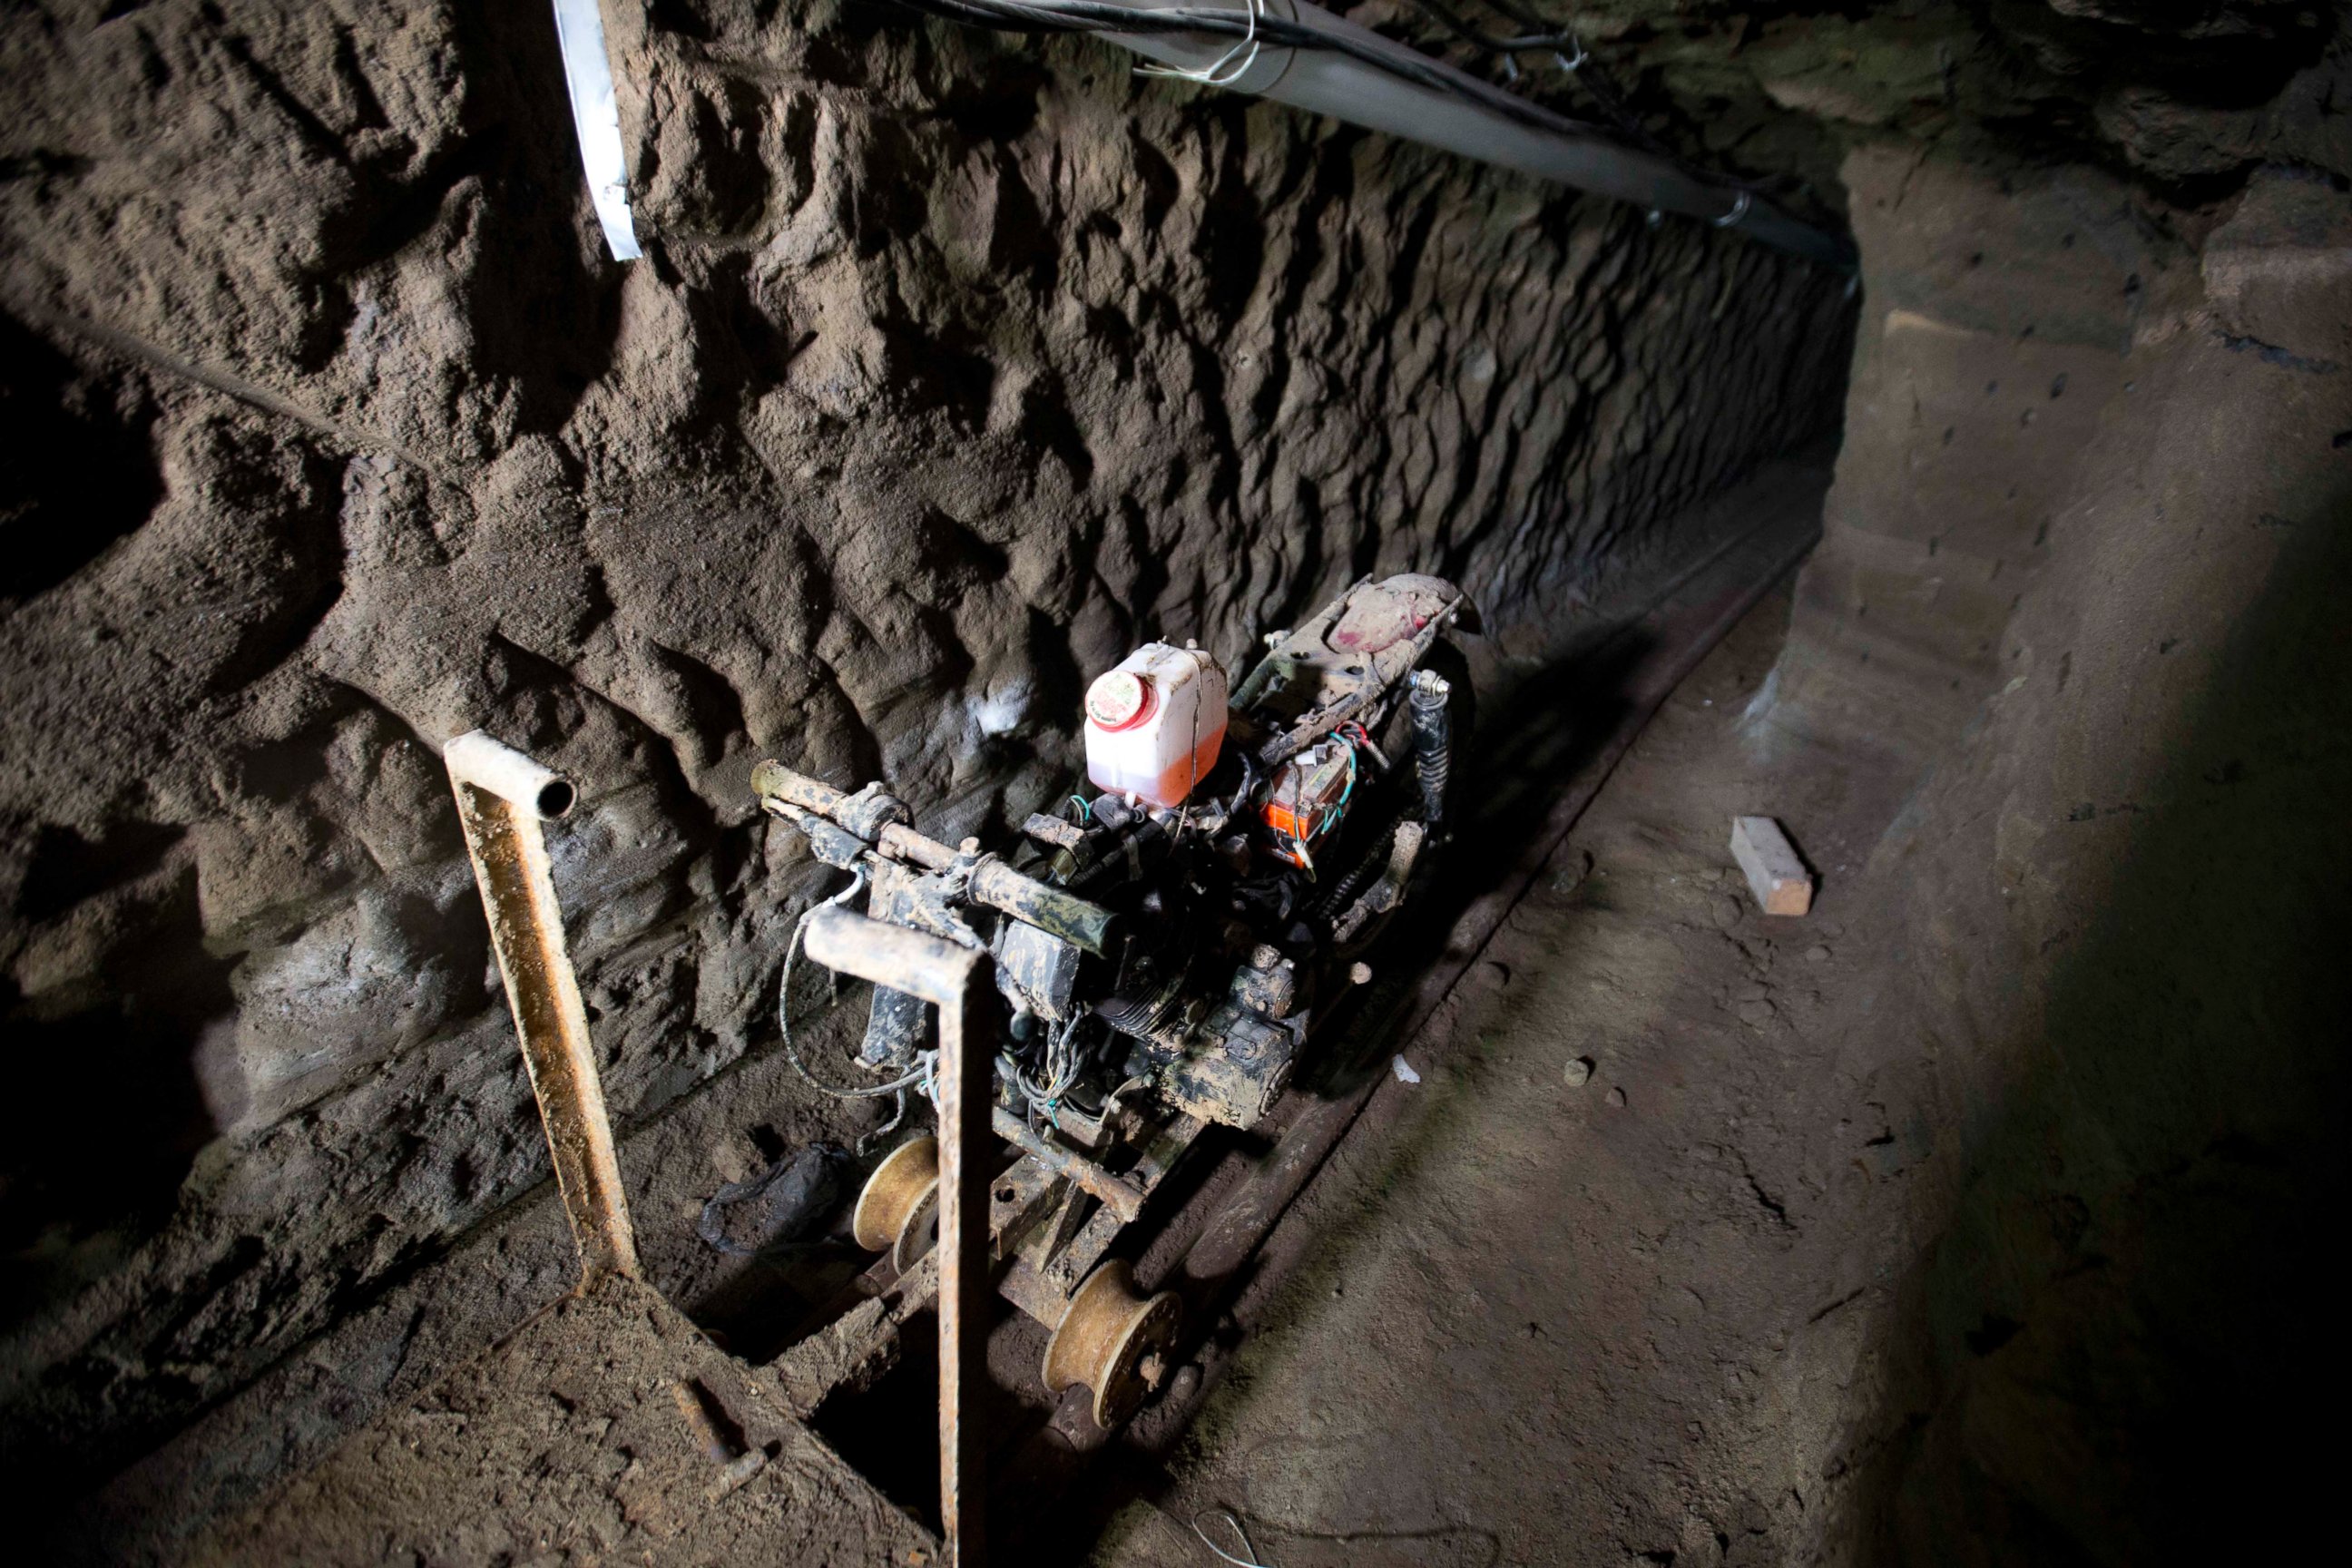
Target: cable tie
{"type": "Point", "coordinates": [1738, 210]}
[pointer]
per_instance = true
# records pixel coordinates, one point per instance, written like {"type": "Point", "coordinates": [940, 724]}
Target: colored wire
{"type": "Point", "coordinates": [1215, 75]}
{"type": "Point", "coordinates": [1062, 1065]}
{"type": "Point", "coordinates": [1251, 1560]}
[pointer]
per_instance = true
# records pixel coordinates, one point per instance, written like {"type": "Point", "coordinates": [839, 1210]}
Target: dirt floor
{"type": "Point", "coordinates": [1551, 1312]}
{"type": "Point", "coordinates": [607, 1430]}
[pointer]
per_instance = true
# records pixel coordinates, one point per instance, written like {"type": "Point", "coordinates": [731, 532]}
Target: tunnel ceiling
{"type": "Point", "coordinates": [2187, 98]}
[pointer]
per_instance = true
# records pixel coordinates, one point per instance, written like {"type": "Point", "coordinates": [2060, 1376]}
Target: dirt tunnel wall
{"type": "Point", "coordinates": [2080, 587]}
{"type": "Point", "coordinates": [957, 366]}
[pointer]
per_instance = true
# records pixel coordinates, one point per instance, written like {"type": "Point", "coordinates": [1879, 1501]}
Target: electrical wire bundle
{"type": "Point", "coordinates": [920, 1077]}
{"type": "Point", "coordinates": [1302, 830]}
{"type": "Point", "coordinates": [1253, 24]}
{"type": "Point", "coordinates": [1063, 1063]}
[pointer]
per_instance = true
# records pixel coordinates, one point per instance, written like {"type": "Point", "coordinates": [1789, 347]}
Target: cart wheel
{"type": "Point", "coordinates": [899, 1210]}
{"type": "Point", "coordinates": [1115, 1341]}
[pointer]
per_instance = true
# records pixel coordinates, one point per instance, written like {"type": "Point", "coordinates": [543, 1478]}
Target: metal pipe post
{"type": "Point", "coordinates": [502, 798]}
{"type": "Point", "coordinates": [961, 982]}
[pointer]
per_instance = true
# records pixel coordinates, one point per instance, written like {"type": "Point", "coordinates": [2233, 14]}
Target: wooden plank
{"type": "Point", "coordinates": [1775, 875]}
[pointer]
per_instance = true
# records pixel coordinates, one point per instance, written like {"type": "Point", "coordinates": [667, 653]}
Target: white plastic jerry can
{"type": "Point", "coordinates": [1155, 724]}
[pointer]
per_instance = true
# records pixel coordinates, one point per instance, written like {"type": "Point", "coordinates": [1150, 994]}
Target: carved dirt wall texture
{"type": "Point", "coordinates": [957, 366]}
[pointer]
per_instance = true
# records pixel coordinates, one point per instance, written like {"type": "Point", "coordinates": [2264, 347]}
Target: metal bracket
{"type": "Point", "coordinates": [503, 797]}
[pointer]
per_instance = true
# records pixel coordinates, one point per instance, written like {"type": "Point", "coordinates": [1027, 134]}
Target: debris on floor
{"type": "Point", "coordinates": [608, 1428]}
{"type": "Point", "coordinates": [1775, 874]}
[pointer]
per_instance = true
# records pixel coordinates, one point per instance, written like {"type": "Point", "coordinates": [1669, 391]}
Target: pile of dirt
{"type": "Point", "coordinates": [605, 1429]}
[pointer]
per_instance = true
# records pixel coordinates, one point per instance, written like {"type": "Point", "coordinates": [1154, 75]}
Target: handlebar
{"type": "Point", "coordinates": [880, 821]}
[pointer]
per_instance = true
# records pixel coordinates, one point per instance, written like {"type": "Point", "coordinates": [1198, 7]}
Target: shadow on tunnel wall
{"type": "Point", "coordinates": [2124, 1344]}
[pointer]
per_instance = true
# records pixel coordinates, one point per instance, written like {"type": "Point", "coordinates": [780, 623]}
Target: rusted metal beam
{"type": "Point", "coordinates": [1070, 1264]}
{"type": "Point", "coordinates": [961, 982]}
{"type": "Point", "coordinates": [503, 797]}
{"type": "Point", "coordinates": [1119, 1194]}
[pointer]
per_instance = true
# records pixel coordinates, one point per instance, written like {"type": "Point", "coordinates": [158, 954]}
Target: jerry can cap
{"type": "Point", "coordinates": [1120, 699]}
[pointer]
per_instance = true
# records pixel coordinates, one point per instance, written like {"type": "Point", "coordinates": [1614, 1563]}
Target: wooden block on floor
{"type": "Point", "coordinates": [1779, 879]}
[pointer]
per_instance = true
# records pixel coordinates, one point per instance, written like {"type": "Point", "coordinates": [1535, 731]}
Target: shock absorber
{"type": "Point", "coordinates": [1433, 741]}
{"type": "Point", "coordinates": [1360, 876]}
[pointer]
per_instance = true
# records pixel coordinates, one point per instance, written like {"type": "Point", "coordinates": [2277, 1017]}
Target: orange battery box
{"type": "Point", "coordinates": [1303, 803]}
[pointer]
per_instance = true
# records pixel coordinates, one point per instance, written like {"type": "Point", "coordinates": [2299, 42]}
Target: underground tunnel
{"type": "Point", "coordinates": [1137, 782]}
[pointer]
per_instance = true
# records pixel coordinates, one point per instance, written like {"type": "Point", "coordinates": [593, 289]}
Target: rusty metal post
{"type": "Point", "coordinates": [961, 984]}
{"type": "Point", "coordinates": [502, 798]}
